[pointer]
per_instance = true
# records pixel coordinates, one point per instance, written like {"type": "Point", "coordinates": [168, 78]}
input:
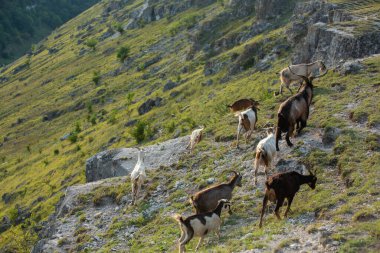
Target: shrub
{"type": "Point", "coordinates": [91, 43]}
{"type": "Point", "coordinates": [96, 77]}
{"type": "Point", "coordinates": [122, 53]}
{"type": "Point", "coordinates": [119, 28]}
{"type": "Point", "coordinates": [139, 132]}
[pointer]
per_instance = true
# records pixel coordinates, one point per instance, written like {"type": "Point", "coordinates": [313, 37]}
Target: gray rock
{"type": "Point", "coordinates": [5, 224]}
{"type": "Point", "coordinates": [351, 67]}
{"type": "Point", "coordinates": [52, 115]}
{"type": "Point", "coordinates": [330, 134]}
{"type": "Point", "coordinates": [170, 85]}
{"type": "Point", "coordinates": [119, 162]}
{"type": "Point", "coordinates": [65, 137]}
{"type": "Point", "coordinates": [210, 180]}
{"type": "Point", "coordinates": [149, 105]}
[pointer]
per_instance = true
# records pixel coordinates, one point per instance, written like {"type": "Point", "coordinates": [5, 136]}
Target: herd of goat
{"type": "Point", "coordinates": [210, 202]}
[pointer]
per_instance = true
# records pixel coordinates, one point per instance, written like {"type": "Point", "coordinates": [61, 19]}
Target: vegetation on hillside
{"type": "Point", "coordinates": [74, 99]}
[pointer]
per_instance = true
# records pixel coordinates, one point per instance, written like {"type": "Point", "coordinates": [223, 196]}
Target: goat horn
{"type": "Point", "coordinates": [235, 172]}
{"type": "Point", "coordinates": [321, 74]}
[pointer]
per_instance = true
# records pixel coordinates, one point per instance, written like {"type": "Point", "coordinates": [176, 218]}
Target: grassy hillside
{"type": "Point", "coordinates": [82, 94]}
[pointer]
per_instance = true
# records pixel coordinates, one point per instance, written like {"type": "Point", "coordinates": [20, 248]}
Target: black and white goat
{"type": "Point", "coordinates": [199, 225]}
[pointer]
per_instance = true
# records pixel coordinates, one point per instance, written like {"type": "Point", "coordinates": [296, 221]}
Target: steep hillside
{"type": "Point", "coordinates": [127, 73]}
{"type": "Point", "coordinates": [23, 23]}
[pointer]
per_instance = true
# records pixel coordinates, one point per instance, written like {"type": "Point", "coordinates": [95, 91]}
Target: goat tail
{"type": "Point", "coordinates": [178, 218]}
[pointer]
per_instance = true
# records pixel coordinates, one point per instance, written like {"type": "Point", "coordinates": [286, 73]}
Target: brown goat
{"type": "Point", "coordinates": [243, 104]}
{"type": "Point", "coordinates": [295, 111]}
{"type": "Point", "coordinates": [207, 199]}
{"type": "Point", "coordinates": [284, 185]}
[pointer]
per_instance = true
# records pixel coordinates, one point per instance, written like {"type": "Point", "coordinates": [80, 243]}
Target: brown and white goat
{"type": "Point", "coordinates": [247, 122]}
{"type": "Point", "coordinates": [295, 111]}
{"type": "Point", "coordinates": [195, 138]}
{"type": "Point", "coordinates": [199, 225]}
{"type": "Point", "coordinates": [265, 153]}
{"type": "Point", "coordinates": [292, 73]}
{"type": "Point", "coordinates": [207, 199]}
{"type": "Point", "coordinates": [243, 104]}
{"type": "Point", "coordinates": [284, 186]}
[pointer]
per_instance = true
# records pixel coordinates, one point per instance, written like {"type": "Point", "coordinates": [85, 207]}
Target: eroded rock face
{"type": "Point", "coordinates": [266, 9]}
{"type": "Point", "coordinates": [120, 162]}
{"type": "Point", "coordinates": [317, 34]}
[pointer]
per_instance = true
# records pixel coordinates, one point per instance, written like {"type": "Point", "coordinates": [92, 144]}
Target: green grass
{"type": "Point", "coordinates": [30, 165]}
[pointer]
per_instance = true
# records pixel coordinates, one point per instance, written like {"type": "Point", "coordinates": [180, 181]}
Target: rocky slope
{"type": "Point", "coordinates": [145, 73]}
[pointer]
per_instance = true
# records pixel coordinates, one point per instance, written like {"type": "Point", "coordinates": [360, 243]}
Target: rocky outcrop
{"type": "Point", "coordinates": [149, 104]}
{"type": "Point", "coordinates": [153, 10]}
{"type": "Point", "coordinates": [267, 9]}
{"type": "Point", "coordinates": [119, 162]}
{"type": "Point", "coordinates": [317, 34]}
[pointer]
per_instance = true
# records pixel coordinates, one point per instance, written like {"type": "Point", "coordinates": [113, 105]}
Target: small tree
{"type": "Point", "coordinates": [129, 103]}
{"type": "Point", "coordinates": [119, 28]}
{"type": "Point", "coordinates": [123, 53]}
{"type": "Point", "coordinates": [91, 43]}
{"type": "Point", "coordinates": [96, 77]}
{"type": "Point", "coordinates": [139, 131]}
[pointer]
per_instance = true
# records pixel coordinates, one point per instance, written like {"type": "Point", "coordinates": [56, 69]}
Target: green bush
{"type": "Point", "coordinates": [123, 53]}
{"type": "Point", "coordinates": [91, 43]}
{"type": "Point", "coordinates": [139, 131]}
{"type": "Point", "coordinates": [96, 77]}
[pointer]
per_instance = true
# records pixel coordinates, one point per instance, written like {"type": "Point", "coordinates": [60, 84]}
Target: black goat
{"type": "Point", "coordinates": [284, 185]}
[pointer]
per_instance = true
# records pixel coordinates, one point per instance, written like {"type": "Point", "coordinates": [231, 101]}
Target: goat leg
{"type": "Point", "coordinates": [265, 202]}
{"type": "Point", "coordinates": [277, 209]}
{"type": "Point", "coordinates": [199, 244]}
{"type": "Point", "coordinates": [288, 140]}
{"type": "Point", "coordinates": [290, 199]}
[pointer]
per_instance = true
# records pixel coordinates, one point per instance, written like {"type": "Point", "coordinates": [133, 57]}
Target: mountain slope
{"type": "Point", "coordinates": [69, 101]}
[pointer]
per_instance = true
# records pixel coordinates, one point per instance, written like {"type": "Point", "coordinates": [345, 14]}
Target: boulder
{"type": "Point", "coordinates": [330, 134]}
{"type": "Point", "coordinates": [351, 67]}
{"type": "Point", "coordinates": [5, 224]}
{"type": "Point", "coordinates": [52, 115]}
{"type": "Point", "coordinates": [120, 162]}
{"type": "Point", "coordinates": [149, 104]}
{"type": "Point", "coordinates": [170, 85]}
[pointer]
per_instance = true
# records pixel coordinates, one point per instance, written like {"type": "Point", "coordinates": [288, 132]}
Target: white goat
{"type": "Point", "coordinates": [247, 122]}
{"type": "Point", "coordinates": [288, 76]}
{"type": "Point", "coordinates": [195, 138]}
{"type": "Point", "coordinates": [138, 176]}
{"type": "Point", "coordinates": [199, 225]}
{"type": "Point", "coordinates": [265, 154]}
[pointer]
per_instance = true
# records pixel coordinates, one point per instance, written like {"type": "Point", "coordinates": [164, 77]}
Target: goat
{"type": "Point", "coordinates": [244, 104]}
{"type": "Point", "coordinates": [207, 199]}
{"type": "Point", "coordinates": [265, 153]}
{"type": "Point", "coordinates": [288, 76]}
{"type": "Point", "coordinates": [138, 176]}
{"type": "Point", "coordinates": [195, 138]}
{"type": "Point", "coordinates": [199, 225]}
{"type": "Point", "coordinates": [284, 185]}
{"type": "Point", "coordinates": [247, 122]}
{"type": "Point", "coordinates": [295, 111]}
